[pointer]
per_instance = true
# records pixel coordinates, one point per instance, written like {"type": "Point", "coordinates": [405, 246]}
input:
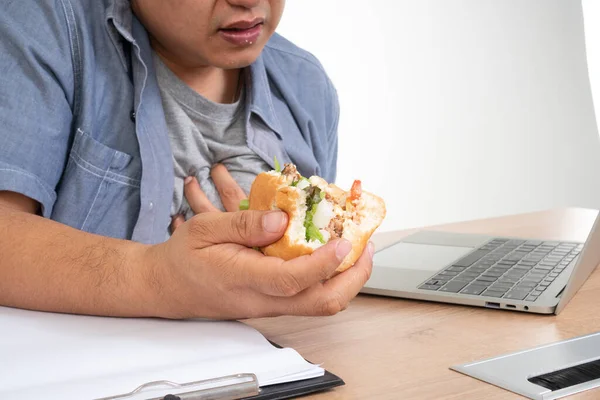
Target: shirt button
{"type": "Point", "coordinates": [132, 116]}
{"type": "Point", "coordinates": [150, 206]}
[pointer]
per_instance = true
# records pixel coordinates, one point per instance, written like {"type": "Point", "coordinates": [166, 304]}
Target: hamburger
{"type": "Point", "coordinates": [318, 212]}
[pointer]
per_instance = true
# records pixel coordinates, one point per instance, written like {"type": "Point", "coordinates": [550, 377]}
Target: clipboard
{"type": "Point", "coordinates": [135, 359]}
{"type": "Point", "coordinates": [231, 387]}
{"type": "Point", "coordinates": [298, 388]}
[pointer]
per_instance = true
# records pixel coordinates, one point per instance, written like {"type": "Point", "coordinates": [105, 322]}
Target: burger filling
{"type": "Point", "coordinates": [327, 209]}
{"type": "Point", "coordinates": [324, 219]}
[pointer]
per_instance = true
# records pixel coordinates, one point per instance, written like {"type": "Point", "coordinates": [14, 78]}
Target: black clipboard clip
{"type": "Point", "coordinates": [231, 387]}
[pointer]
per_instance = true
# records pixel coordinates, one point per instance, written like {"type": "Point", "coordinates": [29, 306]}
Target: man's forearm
{"type": "Point", "coordinates": [48, 266]}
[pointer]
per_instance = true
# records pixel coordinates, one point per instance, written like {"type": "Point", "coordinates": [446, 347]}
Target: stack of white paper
{"type": "Point", "coordinates": [59, 356]}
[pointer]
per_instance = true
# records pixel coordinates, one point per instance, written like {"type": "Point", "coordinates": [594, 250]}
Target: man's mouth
{"type": "Point", "coordinates": [243, 25]}
{"type": "Point", "coordinates": [242, 33]}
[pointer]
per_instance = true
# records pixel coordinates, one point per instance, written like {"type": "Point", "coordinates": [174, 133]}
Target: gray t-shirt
{"type": "Point", "coordinates": [203, 133]}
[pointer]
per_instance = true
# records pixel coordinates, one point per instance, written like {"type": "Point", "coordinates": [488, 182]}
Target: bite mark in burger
{"type": "Point", "coordinates": [318, 212]}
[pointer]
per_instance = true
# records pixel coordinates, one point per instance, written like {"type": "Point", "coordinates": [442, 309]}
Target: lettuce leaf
{"type": "Point", "coordinates": [277, 166]}
{"type": "Point", "coordinates": [296, 182]}
{"type": "Point", "coordinates": [312, 233]}
{"type": "Point", "coordinates": [313, 199]}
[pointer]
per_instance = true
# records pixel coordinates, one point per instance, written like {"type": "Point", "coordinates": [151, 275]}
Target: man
{"type": "Point", "coordinates": [120, 119]}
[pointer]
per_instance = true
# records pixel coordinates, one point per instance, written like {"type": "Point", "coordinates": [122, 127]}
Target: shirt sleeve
{"type": "Point", "coordinates": [36, 97]}
{"type": "Point", "coordinates": [332, 134]}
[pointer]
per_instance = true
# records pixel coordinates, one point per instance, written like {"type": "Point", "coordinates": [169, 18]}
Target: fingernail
{"type": "Point", "coordinates": [187, 180]}
{"type": "Point", "coordinates": [273, 221]}
{"type": "Point", "coordinates": [342, 249]}
{"type": "Point", "coordinates": [371, 249]}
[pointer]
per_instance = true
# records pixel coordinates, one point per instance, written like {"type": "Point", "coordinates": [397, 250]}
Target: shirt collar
{"type": "Point", "coordinates": [260, 99]}
{"type": "Point", "coordinates": [119, 23]}
{"type": "Point", "coordinates": [119, 19]}
{"type": "Point", "coordinates": [119, 11]}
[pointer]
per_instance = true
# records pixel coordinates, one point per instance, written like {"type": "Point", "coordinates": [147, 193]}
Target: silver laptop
{"type": "Point", "coordinates": [511, 273]}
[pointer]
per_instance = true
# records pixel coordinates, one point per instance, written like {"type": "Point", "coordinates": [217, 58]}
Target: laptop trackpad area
{"type": "Point", "coordinates": [421, 257]}
{"type": "Point", "coordinates": [403, 266]}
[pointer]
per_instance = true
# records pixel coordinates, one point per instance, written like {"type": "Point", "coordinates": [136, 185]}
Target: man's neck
{"type": "Point", "coordinates": [215, 84]}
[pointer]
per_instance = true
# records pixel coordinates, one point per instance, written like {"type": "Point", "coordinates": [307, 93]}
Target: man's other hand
{"type": "Point", "coordinates": [230, 192]}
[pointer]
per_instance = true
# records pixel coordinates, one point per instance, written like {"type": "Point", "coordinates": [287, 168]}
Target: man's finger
{"type": "Point", "coordinates": [196, 198]}
{"type": "Point", "coordinates": [334, 295]}
{"type": "Point", "coordinates": [248, 228]}
{"type": "Point", "coordinates": [276, 277]}
{"type": "Point", "coordinates": [230, 192]}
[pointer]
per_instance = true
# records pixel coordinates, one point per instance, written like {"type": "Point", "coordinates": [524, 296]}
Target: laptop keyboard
{"type": "Point", "coordinates": [504, 268]}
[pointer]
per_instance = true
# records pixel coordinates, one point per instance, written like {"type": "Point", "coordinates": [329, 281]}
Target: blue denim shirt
{"type": "Point", "coordinates": [82, 129]}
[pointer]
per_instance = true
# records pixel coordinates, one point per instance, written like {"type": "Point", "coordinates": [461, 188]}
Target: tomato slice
{"type": "Point", "coordinates": [356, 190]}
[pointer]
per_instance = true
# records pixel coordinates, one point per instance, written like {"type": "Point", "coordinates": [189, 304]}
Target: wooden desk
{"type": "Point", "coordinates": [387, 348]}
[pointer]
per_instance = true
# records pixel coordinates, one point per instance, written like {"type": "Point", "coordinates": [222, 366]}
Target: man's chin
{"type": "Point", "coordinates": [240, 59]}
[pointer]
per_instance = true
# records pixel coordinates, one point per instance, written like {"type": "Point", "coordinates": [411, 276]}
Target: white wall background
{"type": "Point", "coordinates": [591, 18]}
{"type": "Point", "coordinates": [460, 109]}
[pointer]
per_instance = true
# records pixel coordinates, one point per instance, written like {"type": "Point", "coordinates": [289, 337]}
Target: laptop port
{"type": "Point", "coordinates": [511, 306]}
{"type": "Point", "coordinates": [492, 305]}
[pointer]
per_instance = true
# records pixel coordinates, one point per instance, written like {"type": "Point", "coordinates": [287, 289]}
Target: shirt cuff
{"type": "Point", "coordinates": [17, 180]}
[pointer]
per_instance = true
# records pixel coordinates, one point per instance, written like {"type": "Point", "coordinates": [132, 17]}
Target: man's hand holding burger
{"type": "Point", "coordinates": [208, 268]}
